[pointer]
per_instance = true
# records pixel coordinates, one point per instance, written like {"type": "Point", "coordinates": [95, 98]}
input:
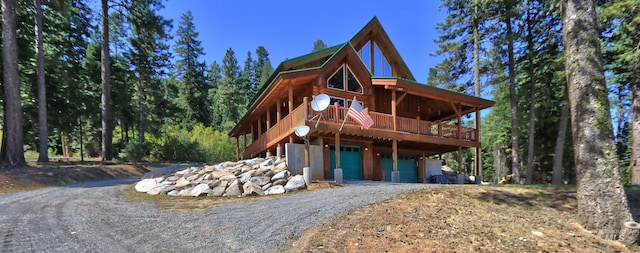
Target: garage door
{"type": "Point", "coordinates": [407, 166]}
{"type": "Point", "coordinates": [350, 161]}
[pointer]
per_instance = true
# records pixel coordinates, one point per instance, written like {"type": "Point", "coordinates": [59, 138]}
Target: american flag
{"type": "Point", "coordinates": [359, 115]}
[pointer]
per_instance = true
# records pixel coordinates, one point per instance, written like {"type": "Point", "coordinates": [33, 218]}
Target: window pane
{"type": "Point", "coordinates": [339, 100]}
{"type": "Point", "coordinates": [377, 57]}
{"type": "Point", "coordinates": [365, 55]}
{"type": "Point", "coordinates": [386, 67]}
{"type": "Point", "coordinates": [336, 81]}
{"type": "Point", "coordinates": [353, 84]}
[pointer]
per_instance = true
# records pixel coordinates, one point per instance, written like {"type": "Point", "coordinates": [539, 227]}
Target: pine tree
{"type": "Point", "coordinates": [149, 55]}
{"type": "Point", "coordinates": [12, 152]}
{"type": "Point", "coordinates": [43, 132]}
{"type": "Point", "coordinates": [105, 66]}
{"type": "Point", "coordinates": [602, 202]}
{"type": "Point", "coordinates": [189, 72]}
{"type": "Point", "coordinates": [318, 45]}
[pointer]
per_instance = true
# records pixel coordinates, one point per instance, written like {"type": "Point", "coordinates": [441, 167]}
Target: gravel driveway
{"type": "Point", "coordinates": [89, 217]}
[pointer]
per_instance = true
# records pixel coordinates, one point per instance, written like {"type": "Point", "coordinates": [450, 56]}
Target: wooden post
{"type": "Point", "coordinates": [278, 111]}
{"type": "Point", "coordinates": [238, 148]}
{"type": "Point", "coordinates": [393, 109]}
{"type": "Point", "coordinates": [478, 149]}
{"type": "Point", "coordinates": [459, 159]}
{"type": "Point", "coordinates": [337, 149]}
{"type": "Point", "coordinates": [337, 118]}
{"type": "Point", "coordinates": [259, 126]}
{"type": "Point", "coordinates": [290, 107]}
{"type": "Point", "coordinates": [395, 155]}
{"type": "Point", "coordinates": [244, 138]}
{"type": "Point", "coordinates": [268, 118]}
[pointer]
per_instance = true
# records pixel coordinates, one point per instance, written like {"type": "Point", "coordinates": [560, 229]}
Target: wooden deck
{"type": "Point", "coordinates": [383, 128]}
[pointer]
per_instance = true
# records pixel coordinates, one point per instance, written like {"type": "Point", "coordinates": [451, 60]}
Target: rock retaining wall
{"type": "Point", "coordinates": [257, 176]}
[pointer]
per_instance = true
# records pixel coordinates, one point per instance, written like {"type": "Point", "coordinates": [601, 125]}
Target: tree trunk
{"type": "Point", "coordinates": [515, 131]}
{"type": "Point", "coordinates": [602, 201]}
{"type": "Point", "coordinates": [476, 77]}
{"type": "Point", "coordinates": [499, 164]}
{"type": "Point", "coordinates": [559, 150]}
{"type": "Point", "coordinates": [532, 107]}
{"type": "Point", "coordinates": [43, 132]}
{"type": "Point", "coordinates": [634, 160]}
{"type": "Point", "coordinates": [13, 154]}
{"type": "Point", "coordinates": [107, 129]}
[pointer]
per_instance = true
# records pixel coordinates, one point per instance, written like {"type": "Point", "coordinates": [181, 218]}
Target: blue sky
{"type": "Point", "coordinates": [288, 28]}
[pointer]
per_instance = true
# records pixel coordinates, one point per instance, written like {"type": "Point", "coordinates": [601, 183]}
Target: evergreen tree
{"type": "Point", "coordinates": [227, 97]}
{"type": "Point", "coordinates": [262, 67]}
{"type": "Point", "coordinates": [318, 45]}
{"type": "Point", "coordinates": [214, 77]}
{"type": "Point", "coordinates": [12, 144]}
{"type": "Point", "coordinates": [602, 205]}
{"type": "Point", "coordinates": [149, 54]}
{"type": "Point", "coordinates": [105, 100]}
{"type": "Point", "coordinates": [43, 132]}
{"type": "Point", "coordinates": [189, 72]}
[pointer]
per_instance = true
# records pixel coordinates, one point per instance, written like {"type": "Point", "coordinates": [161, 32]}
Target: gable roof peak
{"type": "Point", "coordinates": [373, 31]}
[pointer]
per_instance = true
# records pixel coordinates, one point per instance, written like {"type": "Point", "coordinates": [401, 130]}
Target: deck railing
{"type": "Point", "coordinates": [334, 114]}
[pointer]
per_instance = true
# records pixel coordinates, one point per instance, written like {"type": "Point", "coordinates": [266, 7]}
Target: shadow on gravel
{"type": "Point", "coordinates": [105, 183]}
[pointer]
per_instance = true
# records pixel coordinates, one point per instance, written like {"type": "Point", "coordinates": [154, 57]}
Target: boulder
{"type": "Point", "coordinates": [147, 184]}
{"type": "Point", "coordinates": [266, 163]}
{"type": "Point", "coordinates": [270, 173]}
{"type": "Point", "coordinates": [266, 186]}
{"type": "Point", "coordinates": [208, 168]}
{"type": "Point", "coordinates": [172, 178]}
{"type": "Point", "coordinates": [182, 172]}
{"type": "Point", "coordinates": [280, 181]}
{"type": "Point", "coordinates": [245, 168]}
{"type": "Point", "coordinates": [263, 171]}
{"type": "Point", "coordinates": [173, 193]}
{"type": "Point", "coordinates": [228, 178]}
{"type": "Point", "coordinates": [219, 174]}
{"type": "Point", "coordinates": [185, 192]}
{"type": "Point", "coordinates": [246, 176]}
{"type": "Point", "coordinates": [200, 189]}
{"type": "Point", "coordinates": [260, 180]}
{"type": "Point", "coordinates": [251, 188]}
{"type": "Point", "coordinates": [155, 191]}
{"type": "Point", "coordinates": [218, 190]}
{"type": "Point", "coordinates": [192, 177]}
{"type": "Point", "coordinates": [281, 175]}
{"type": "Point", "coordinates": [234, 189]}
{"type": "Point", "coordinates": [228, 164]}
{"type": "Point", "coordinates": [276, 189]}
{"type": "Point", "coordinates": [281, 166]}
{"type": "Point", "coordinates": [218, 167]}
{"type": "Point", "coordinates": [295, 183]}
{"type": "Point", "coordinates": [182, 182]}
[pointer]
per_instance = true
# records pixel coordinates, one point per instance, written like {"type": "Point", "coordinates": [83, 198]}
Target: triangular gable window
{"type": "Point", "coordinates": [372, 56]}
{"type": "Point", "coordinates": [344, 76]}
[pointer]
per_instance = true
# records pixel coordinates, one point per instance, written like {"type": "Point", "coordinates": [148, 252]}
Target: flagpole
{"type": "Point", "coordinates": [346, 114]}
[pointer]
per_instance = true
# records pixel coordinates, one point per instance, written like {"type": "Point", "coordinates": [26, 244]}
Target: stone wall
{"type": "Point", "coordinates": [257, 176]}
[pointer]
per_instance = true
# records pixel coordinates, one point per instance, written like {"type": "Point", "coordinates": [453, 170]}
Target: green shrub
{"type": "Point", "coordinates": [201, 144]}
{"type": "Point", "coordinates": [133, 151]}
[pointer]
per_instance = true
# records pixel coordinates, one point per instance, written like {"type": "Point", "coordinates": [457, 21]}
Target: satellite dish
{"type": "Point", "coordinates": [320, 102]}
{"type": "Point", "coordinates": [302, 131]}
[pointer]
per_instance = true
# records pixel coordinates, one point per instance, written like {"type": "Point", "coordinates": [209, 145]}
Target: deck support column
{"type": "Point", "coordinates": [337, 173]}
{"type": "Point", "coordinates": [238, 148]}
{"type": "Point", "coordinates": [395, 174]}
{"type": "Point", "coordinates": [268, 127]}
{"type": "Point", "coordinates": [244, 138]}
{"type": "Point", "coordinates": [478, 158]}
{"type": "Point", "coordinates": [459, 159]}
{"type": "Point", "coordinates": [290, 106]}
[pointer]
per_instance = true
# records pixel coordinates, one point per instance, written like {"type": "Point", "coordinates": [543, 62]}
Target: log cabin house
{"type": "Point", "coordinates": [411, 120]}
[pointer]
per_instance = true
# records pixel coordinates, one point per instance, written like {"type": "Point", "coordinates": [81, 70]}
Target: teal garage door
{"type": "Point", "coordinates": [350, 161]}
{"type": "Point", "coordinates": [407, 166]}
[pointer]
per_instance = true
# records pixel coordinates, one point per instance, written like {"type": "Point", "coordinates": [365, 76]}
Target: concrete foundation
{"type": "Point", "coordinates": [395, 176]}
{"type": "Point", "coordinates": [306, 174]}
{"type": "Point", "coordinates": [337, 175]}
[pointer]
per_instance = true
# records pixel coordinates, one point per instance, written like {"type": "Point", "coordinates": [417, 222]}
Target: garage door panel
{"type": "Point", "coordinates": [350, 162]}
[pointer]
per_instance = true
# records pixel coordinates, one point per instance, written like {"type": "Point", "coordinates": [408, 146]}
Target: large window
{"type": "Point", "coordinates": [343, 79]}
{"type": "Point", "coordinates": [371, 55]}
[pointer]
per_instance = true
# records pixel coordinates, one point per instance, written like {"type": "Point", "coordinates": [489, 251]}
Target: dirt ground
{"type": "Point", "coordinates": [464, 219]}
{"type": "Point", "coordinates": [446, 219]}
{"type": "Point", "coordinates": [38, 175]}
